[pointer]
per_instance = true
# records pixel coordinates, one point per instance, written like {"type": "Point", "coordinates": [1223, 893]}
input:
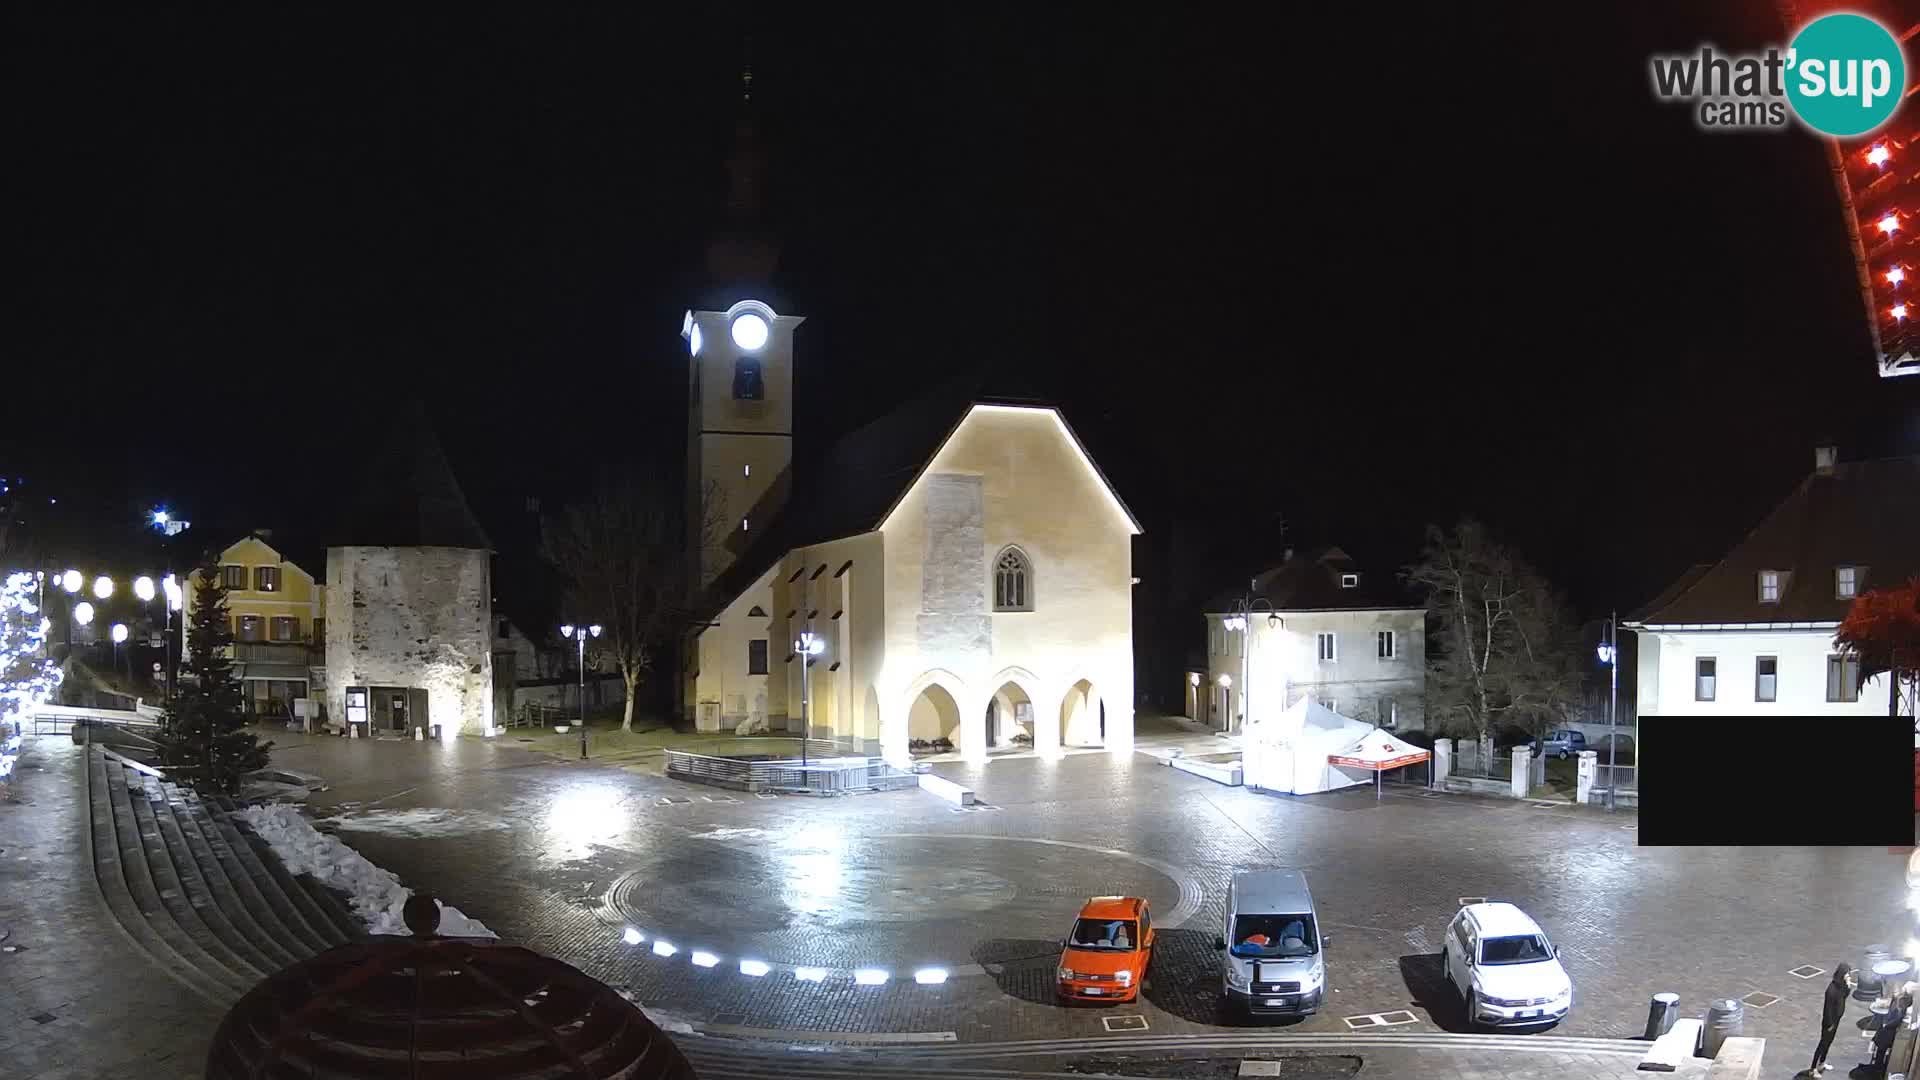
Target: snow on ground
{"type": "Point", "coordinates": [375, 894]}
{"type": "Point", "coordinates": [420, 823]}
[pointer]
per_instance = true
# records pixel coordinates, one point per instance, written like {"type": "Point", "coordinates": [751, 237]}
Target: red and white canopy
{"type": "Point", "coordinates": [1378, 751]}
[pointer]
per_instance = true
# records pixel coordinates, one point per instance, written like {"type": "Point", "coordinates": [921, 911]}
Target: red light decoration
{"type": "Point", "coordinates": [1899, 311]}
{"type": "Point", "coordinates": [1896, 275]}
{"type": "Point", "coordinates": [1889, 224]}
{"type": "Point", "coordinates": [1879, 154]}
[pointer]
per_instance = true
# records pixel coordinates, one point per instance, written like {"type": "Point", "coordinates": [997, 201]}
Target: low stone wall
{"type": "Point", "coordinates": [1220, 772]}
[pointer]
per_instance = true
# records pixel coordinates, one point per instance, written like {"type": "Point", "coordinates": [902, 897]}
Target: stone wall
{"type": "Point", "coordinates": [416, 617]}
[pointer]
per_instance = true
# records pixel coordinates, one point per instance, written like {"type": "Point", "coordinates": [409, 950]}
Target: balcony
{"type": "Point", "coordinates": [279, 652]}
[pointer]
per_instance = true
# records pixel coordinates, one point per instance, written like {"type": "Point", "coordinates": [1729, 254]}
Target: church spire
{"type": "Point", "coordinates": [744, 250]}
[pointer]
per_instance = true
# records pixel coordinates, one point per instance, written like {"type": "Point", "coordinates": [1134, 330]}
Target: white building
{"type": "Point", "coordinates": [1321, 627]}
{"type": "Point", "coordinates": [1753, 633]}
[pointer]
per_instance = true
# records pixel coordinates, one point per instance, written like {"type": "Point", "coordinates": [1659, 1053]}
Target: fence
{"type": "Point", "coordinates": [825, 776]}
{"type": "Point", "coordinates": [1603, 777]}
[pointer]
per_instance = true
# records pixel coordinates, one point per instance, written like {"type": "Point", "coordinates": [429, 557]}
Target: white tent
{"type": "Point", "coordinates": [1288, 753]}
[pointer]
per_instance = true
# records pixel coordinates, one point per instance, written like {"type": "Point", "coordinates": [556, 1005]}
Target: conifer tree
{"type": "Point", "coordinates": [201, 738]}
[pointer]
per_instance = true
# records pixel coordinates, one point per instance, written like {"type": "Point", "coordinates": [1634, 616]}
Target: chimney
{"type": "Point", "coordinates": [264, 534]}
{"type": "Point", "coordinates": [1823, 460]}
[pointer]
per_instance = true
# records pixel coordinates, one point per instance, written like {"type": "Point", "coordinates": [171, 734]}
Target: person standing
{"type": "Point", "coordinates": [1832, 1010]}
{"type": "Point", "coordinates": [1896, 1014]}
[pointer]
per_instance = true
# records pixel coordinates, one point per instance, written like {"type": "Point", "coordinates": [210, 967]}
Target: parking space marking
{"type": "Point", "coordinates": [1760, 1000]}
{"type": "Point", "coordinates": [1807, 971]}
{"type": "Point", "coordinates": [1124, 1023]}
{"type": "Point", "coordinates": [1369, 1021]}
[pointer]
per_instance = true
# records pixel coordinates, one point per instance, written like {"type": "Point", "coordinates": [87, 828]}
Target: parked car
{"type": "Point", "coordinates": [1503, 967]}
{"type": "Point", "coordinates": [1563, 743]}
{"type": "Point", "coordinates": [1106, 956]}
{"type": "Point", "coordinates": [1273, 944]}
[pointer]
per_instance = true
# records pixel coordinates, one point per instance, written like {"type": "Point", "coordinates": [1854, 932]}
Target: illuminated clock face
{"type": "Point", "coordinates": [693, 339]}
{"type": "Point", "coordinates": [750, 332]}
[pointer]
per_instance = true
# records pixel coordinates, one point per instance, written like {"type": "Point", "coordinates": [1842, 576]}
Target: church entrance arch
{"type": "Point", "coordinates": [1083, 716]}
{"type": "Point", "coordinates": [933, 721]}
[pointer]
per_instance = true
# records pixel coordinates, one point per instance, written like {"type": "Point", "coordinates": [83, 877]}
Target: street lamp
{"type": "Point", "coordinates": [1610, 655]}
{"type": "Point", "coordinates": [1239, 617]}
{"type": "Point", "coordinates": [102, 587]}
{"type": "Point", "coordinates": [143, 588]}
{"type": "Point", "coordinates": [581, 634]}
{"type": "Point", "coordinates": [83, 613]}
{"type": "Point", "coordinates": [71, 581]}
{"type": "Point", "coordinates": [810, 645]}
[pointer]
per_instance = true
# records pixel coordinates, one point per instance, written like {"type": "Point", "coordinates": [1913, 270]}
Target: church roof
{"type": "Point", "coordinates": [409, 497]}
{"type": "Point", "coordinates": [857, 483]}
{"type": "Point", "coordinates": [1862, 514]}
{"type": "Point", "coordinates": [1313, 581]}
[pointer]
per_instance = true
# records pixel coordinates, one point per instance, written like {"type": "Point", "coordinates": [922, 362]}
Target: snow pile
{"type": "Point", "coordinates": [375, 894]}
{"type": "Point", "coordinates": [418, 823]}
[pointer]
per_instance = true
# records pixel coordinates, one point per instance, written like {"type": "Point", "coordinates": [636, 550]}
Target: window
{"type": "Point", "coordinates": [747, 384]}
{"type": "Point", "coordinates": [1769, 586]}
{"type": "Point", "coordinates": [1843, 678]}
{"type": "Point", "coordinates": [1012, 581]}
{"type": "Point", "coordinates": [1324, 641]}
{"type": "Point", "coordinates": [284, 628]}
{"type": "Point", "coordinates": [1349, 581]}
{"type": "Point", "coordinates": [1385, 643]}
{"type": "Point", "coordinates": [233, 577]}
{"type": "Point", "coordinates": [1213, 637]}
{"type": "Point", "coordinates": [1766, 678]}
{"type": "Point", "coordinates": [757, 656]}
{"type": "Point", "coordinates": [249, 628]}
{"type": "Point", "coordinates": [1704, 669]}
{"type": "Point", "coordinates": [266, 578]}
{"type": "Point", "coordinates": [1846, 582]}
{"type": "Point", "coordinates": [1389, 713]}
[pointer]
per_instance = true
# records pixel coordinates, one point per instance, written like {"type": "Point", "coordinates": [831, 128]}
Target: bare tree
{"type": "Point", "coordinates": [628, 553]}
{"type": "Point", "coordinates": [1507, 651]}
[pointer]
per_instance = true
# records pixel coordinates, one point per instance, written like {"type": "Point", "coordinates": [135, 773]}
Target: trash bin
{"type": "Point", "coordinates": [433, 731]}
{"type": "Point", "coordinates": [1661, 1014]}
{"type": "Point", "coordinates": [1868, 984]}
{"type": "Point", "coordinates": [1724, 1021]}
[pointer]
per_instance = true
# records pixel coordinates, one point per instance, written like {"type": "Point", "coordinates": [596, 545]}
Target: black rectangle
{"type": "Point", "coordinates": [1776, 781]}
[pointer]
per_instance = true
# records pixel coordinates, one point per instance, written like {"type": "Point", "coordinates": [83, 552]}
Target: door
{"type": "Point", "coordinates": [1456, 958]}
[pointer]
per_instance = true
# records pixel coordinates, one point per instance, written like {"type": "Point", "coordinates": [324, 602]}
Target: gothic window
{"type": "Point", "coordinates": [1012, 581]}
{"type": "Point", "coordinates": [747, 384]}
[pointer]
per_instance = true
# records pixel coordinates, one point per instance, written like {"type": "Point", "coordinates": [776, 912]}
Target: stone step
{"type": "Point", "coordinates": [261, 891]}
{"type": "Point", "coordinates": [265, 948]}
{"type": "Point", "coordinates": [186, 904]}
{"type": "Point", "coordinates": [118, 866]}
{"type": "Point", "coordinates": [327, 915]}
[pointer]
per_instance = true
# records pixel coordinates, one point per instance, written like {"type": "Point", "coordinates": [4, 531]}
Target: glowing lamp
{"type": "Point", "coordinates": [143, 587]}
{"type": "Point", "coordinates": [664, 948]}
{"type": "Point", "coordinates": [693, 340]}
{"type": "Point", "coordinates": [930, 976]}
{"type": "Point", "coordinates": [810, 974]}
{"type": "Point", "coordinates": [1896, 275]}
{"type": "Point", "coordinates": [1193, 678]}
{"type": "Point", "coordinates": [102, 587]}
{"type": "Point", "coordinates": [1606, 654]}
{"type": "Point", "coordinates": [83, 613]}
{"type": "Point", "coordinates": [869, 977]}
{"type": "Point", "coordinates": [594, 630]}
{"type": "Point", "coordinates": [1890, 224]}
{"type": "Point", "coordinates": [631, 936]}
{"type": "Point", "coordinates": [71, 581]}
{"type": "Point", "coordinates": [566, 630]}
{"type": "Point", "coordinates": [1878, 155]}
{"type": "Point", "coordinates": [1236, 622]}
{"type": "Point", "coordinates": [160, 517]}
{"type": "Point", "coordinates": [705, 959]}
{"type": "Point", "coordinates": [119, 632]}
{"type": "Point", "coordinates": [174, 595]}
{"type": "Point", "coordinates": [811, 644]}
{"type": "Point", "coordinates": [1226, 680]}
{"type": "Point", "coordinates": [754, 968]}
{"type": "Point", "coordinates": [1899, 311]}
{"type": "Point", "coordinates": [750, 332]}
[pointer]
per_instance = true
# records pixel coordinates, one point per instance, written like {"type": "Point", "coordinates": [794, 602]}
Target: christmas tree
{"type": "Point", "coordinates": [201, 737]}
{"type": "Point", "coordinates": [27, 674]}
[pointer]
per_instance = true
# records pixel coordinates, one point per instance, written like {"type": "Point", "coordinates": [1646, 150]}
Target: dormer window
{"type": "Point", "coordinates": [1770, 586]}
{"type": "Point", "coordinates": [1846, 582]}
{"type": "Point", "coordinates": [1349, 581]}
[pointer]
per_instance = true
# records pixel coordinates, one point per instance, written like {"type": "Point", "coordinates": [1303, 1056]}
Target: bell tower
{"type": "Point", "coordinates": [740, 405]}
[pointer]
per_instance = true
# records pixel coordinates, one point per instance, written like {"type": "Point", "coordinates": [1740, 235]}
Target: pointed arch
{"type": "Point", "coordinates": [1013, 582]}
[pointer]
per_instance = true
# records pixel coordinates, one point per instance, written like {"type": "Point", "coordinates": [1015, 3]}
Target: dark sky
{"type": "Point", "coordinates": [1358, 270]}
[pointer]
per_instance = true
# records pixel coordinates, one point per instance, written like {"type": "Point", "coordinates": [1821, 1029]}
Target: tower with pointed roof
{"type": "Point", "coordinates": [409, 598]}
{"type": "Point", "coordinates": [740, 384]}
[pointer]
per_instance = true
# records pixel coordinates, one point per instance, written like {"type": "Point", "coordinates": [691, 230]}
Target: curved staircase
{"type": "Point", "coordinates": [195, 891]}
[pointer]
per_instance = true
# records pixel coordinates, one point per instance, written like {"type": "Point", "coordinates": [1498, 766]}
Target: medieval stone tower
{"type": "Point", "coordinates": [409, 598]}
{"type": "Point", "coordinates": [740, 406]}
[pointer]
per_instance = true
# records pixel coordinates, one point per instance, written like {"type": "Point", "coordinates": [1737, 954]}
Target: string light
{"type": "Point", "coordinates": [1899, 311]}
{"type": "Point", "coordinates": [1890, 224]}
{"type": "Point", "coordinates": [28, 675]}
{"type": "Point", "coordinates": [1878, 155]}
{"type": "Point", "coordinates": [1896, 275]}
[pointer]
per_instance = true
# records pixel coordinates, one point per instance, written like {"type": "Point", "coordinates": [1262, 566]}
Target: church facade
{"type": "Point", "coordinates": [961, 566]}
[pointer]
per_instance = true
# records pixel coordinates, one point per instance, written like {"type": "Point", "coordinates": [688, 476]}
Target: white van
{"type": "Point", "coordinates": [1273, 944]}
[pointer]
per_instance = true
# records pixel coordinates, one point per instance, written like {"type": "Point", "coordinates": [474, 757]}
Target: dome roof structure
{"type": "Point", "coordinates": [431, 1006]}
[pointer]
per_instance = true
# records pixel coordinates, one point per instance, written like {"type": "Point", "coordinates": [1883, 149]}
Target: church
{"type": "Point", "coordinates": [954, 575]}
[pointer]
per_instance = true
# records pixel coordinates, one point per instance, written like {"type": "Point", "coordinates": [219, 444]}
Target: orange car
{"type": "Point", "coordinates": [1105, 958]}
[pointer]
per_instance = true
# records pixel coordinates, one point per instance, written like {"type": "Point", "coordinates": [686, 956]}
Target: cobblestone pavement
{"type": "Point", "coordinates": [565, 856]}
{"type": "Point", "coordinates": [75, 999]}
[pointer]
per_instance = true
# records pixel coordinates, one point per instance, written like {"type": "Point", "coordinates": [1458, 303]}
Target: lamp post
{"type": "Point", "coordinates": [581, 634]}
{"type": "Point", "coordinates": [809, 646]}
{"type": "Point", "coordinates": [1239, 617]}
{"type": "Point", "coordinates": [1610, 655]}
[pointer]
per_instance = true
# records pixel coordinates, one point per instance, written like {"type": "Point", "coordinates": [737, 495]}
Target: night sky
{"type": "Point", "coordinates": [1351, 271]}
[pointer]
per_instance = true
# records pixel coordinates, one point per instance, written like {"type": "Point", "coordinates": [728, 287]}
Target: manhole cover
{"type": "Point", "coordinates": [1807, 971]}
{"type": "Point", "coordinates": [1124, 1023]}
{"type": "Point", "coordinates": [1366, 1021]}
{"type": "Point", "coordinates": [1400, 1016]}
{"type": "Point", "coordinates": [1759, 1000]}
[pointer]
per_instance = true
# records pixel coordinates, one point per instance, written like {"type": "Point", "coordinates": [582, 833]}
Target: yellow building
{"type": "Point", "coordinates": [277, 610]}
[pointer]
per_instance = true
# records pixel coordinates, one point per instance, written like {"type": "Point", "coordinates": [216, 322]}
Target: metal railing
{"type": "Point", "coordinates": [825, 776]}
{"type": "Point", "coordinates": [62, 719]}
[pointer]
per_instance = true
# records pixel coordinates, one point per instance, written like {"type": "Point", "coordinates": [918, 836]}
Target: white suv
{"type": "Point", "coordinates": [1503, 967]}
